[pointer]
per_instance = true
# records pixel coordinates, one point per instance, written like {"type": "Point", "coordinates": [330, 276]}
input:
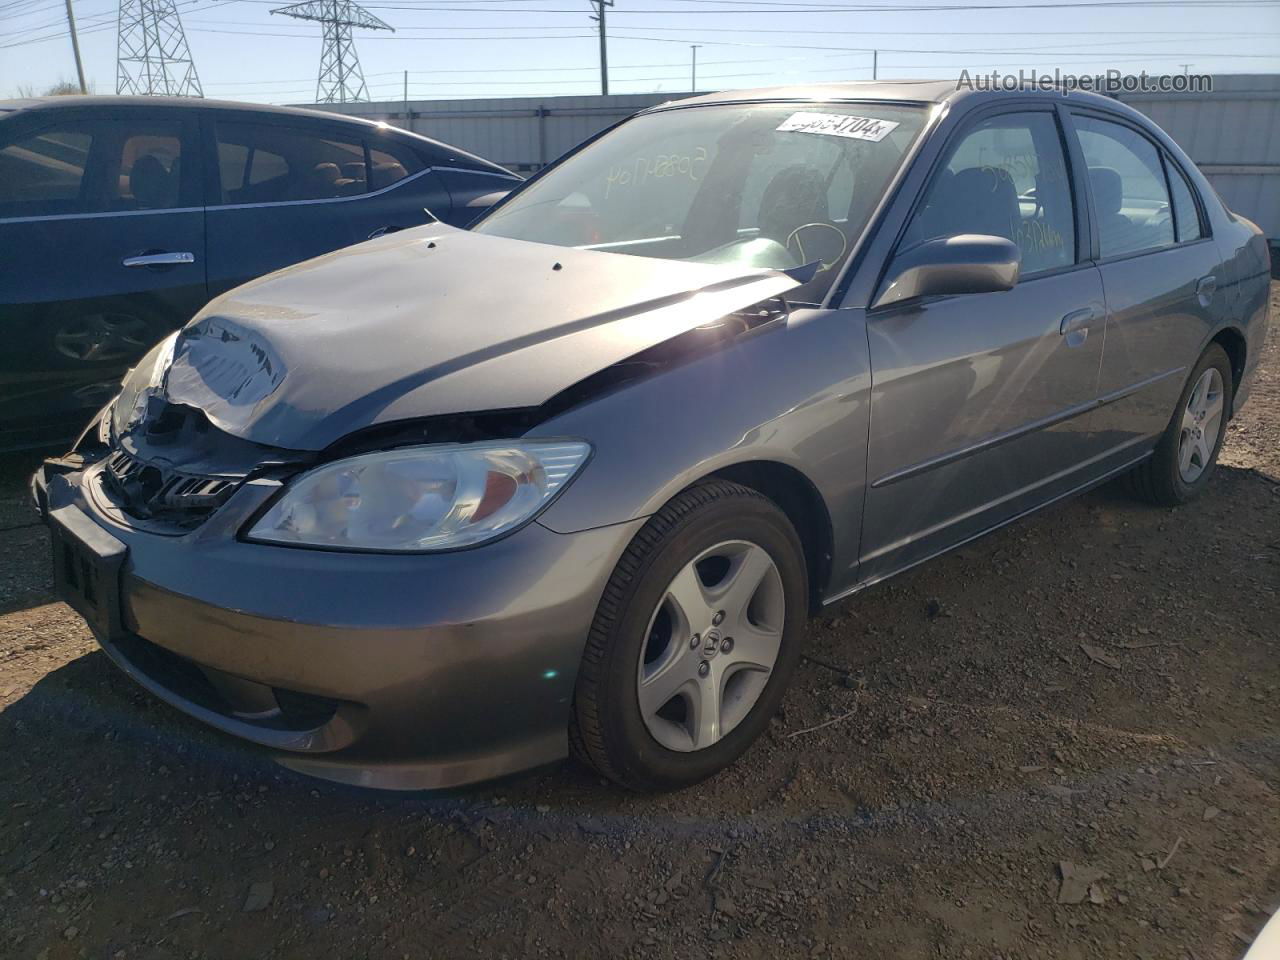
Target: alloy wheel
{"type": "Point", "coordinates": [103, 337]}
{"type": "Point", "coordinates": [711, 645]}
{"type": "Point", "coordinates": [1201, 424]}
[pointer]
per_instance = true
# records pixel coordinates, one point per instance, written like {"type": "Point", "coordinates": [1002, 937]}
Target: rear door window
{"type": "Point", "coordinates": [1130, 199]}
{"type": "Point", "coordinates": [276, 163]}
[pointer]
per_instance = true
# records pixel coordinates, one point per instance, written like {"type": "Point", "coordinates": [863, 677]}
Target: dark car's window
{"type": "Point", "coordinates": [1129, 194]}
{"type": "Point", "coordinates": [239, 167]}
{"type": "Point", "coordinates": [759, 185]}
{"type": "Point", "coordinates": [43, 174]}
{"type": "Point", "coordinates": [390, 162]}
{"type": "Point", "coordinates": [143, 166]}
{"type": "Point", "coordinates": [274, 163]}
{"type": "Point", "coordinates": [1185, 213]}
{"type": "Point", "coordinates": [1006, 177]}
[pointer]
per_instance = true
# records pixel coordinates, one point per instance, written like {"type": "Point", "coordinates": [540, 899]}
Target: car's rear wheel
{"type": "Point", "coordinates": [694, 641]}
{"type": "Point", "coordinates": [1187, 454]}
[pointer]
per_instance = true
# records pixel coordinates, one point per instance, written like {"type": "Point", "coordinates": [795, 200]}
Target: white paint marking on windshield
{"type": "Point", "coordinates": [839, 125]}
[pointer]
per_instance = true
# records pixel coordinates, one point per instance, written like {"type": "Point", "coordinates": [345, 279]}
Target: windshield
{"type": "Point", "coordinates": [762, 185]}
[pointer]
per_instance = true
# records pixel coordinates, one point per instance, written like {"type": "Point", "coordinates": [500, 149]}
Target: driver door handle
{"type": "Point", "coordinates": [158, 259]}
{"type": "Point", "coordinates": [1078, 321]}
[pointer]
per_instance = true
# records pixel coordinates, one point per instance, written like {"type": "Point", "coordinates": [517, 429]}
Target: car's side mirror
{"type": "Point", "coordinates": [966, 263]}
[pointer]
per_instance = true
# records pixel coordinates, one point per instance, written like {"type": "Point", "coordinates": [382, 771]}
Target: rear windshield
{"type": "Point", "coordinates": [761, 185]}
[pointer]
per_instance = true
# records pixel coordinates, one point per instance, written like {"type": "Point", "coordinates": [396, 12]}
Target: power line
{"type": "Point", "coordinates": [303, 36]}
{"type": "Point", "coordinates": [777, 6]}
{"type": "Point", "coordinates": [1049, 50]}
{"type": "Point", "coordinates": [452, 29]}
{"type": "Point", "coordinates": [809, 8]}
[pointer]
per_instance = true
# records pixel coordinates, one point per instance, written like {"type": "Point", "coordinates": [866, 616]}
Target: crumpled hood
{"type": "Point", "coordinates": [431, 321]}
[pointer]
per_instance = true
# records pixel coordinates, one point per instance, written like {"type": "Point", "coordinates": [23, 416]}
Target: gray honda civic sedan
{"type": "Point", "coordinates": [454, 503]}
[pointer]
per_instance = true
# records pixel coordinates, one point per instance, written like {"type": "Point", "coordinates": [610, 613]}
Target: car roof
{"type": "Point", "coordinates": [42, 104]}
{"type": "Point", "coordinates": [187, 103]}
{"type": "Point", "coordinates": [896, 91]}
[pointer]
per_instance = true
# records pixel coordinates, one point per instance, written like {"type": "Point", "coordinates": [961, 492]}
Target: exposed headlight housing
{"type": "Point", "coordinates": [421, 498]}
{"type": "Point", "coordinates": [140, 384]}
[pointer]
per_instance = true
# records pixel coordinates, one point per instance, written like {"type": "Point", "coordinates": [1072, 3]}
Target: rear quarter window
{"type": "Point", "coordinates": [390, 162]}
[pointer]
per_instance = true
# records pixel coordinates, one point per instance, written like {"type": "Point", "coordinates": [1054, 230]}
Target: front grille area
{"type": "Point", "coordinates": [147, 491]}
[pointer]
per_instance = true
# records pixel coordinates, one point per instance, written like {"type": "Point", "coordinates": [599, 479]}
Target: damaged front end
{"type": "Point", "coordinates": [165, 468]}
{"type": "Point", "coordinates": [268, 528]}
{"type": "Point", "coordinates": [414, 343]}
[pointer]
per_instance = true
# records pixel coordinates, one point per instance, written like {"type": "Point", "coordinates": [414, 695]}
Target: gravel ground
{"type": "Point", "coordinates": [1062, 741]}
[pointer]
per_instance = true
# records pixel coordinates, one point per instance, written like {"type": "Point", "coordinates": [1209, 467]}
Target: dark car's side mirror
{"type": "Point", "coordinates": [966, 263]}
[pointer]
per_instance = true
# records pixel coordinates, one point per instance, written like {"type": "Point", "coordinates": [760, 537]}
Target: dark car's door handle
{"type": "Point", "coordinates": [1075, 325]}
{"type": "Point", "coordinates": [1206, 285]}
{"type": "Point", "coordinates": [164, 259]}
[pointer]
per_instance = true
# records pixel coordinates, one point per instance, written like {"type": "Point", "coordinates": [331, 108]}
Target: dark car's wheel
{"type": "Point", "coordinates": [1187, 454]}
{"type": "Point", "coordinates": [694, 641]}
{"type": "Point", "coordinates": [95, 336]}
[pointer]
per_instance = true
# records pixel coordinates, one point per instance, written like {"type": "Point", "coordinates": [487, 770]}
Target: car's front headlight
{"type": "Point", "coordinates": [139, 384]}
{"type": "Point", "coordinates": [424, 498]}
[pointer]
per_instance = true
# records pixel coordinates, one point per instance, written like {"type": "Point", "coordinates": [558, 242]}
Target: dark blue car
{"type": "Point", "coordinates": [120, 217]}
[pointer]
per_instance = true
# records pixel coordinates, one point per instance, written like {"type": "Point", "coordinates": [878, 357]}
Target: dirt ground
{"type": "Point", "coordinates": [1092, 692]}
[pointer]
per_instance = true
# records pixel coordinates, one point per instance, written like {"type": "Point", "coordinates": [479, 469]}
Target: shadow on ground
{"type": "Point", "coordinates": [1096, 685]}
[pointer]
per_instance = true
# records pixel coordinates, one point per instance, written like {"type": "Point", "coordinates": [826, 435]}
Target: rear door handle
{"type": "Point", "coordinates": [1206, 286]}
{"type": "Point", "coordinates": [158, 259]}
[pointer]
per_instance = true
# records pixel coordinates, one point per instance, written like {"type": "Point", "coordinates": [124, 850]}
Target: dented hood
{"type": "Point", "coordinates": [434, 321]}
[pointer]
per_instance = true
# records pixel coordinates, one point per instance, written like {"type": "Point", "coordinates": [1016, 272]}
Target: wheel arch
{"type": "Point", "coordinates": [1233, 342]}
{"type": "Point", "coordinates": [797, 497]}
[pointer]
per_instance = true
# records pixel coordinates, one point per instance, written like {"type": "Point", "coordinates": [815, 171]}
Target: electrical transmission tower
{"type": "Point", "coordinates": [340, 79]}
{"type": "Point", "coordinates": [152, 57]}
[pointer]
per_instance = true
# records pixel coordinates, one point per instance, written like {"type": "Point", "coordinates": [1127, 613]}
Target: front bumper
{"type": "Point", "coordinates": [400, 672]}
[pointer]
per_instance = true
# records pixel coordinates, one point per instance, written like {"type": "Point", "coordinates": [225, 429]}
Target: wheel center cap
{"type": "Point", "coordinates": [710, 643]}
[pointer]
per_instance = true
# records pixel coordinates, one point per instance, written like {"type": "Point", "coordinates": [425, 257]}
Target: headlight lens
{"type": "Point", "coordinates": [140, 384]}
{"type": "Point", "coordinates": [436, 497]}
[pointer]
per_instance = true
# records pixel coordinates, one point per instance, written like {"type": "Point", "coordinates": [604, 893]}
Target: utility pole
{"type": "Point", "coordinates": [875, 64]}
{"type": "Point", "coordinates": [693, 72]}
{"type": "Point", "coordinates": [604, 51]}
{"type": "Point", "coordinates": [408, 125]}
{"type": "Point", "coordinates": [75, 47]}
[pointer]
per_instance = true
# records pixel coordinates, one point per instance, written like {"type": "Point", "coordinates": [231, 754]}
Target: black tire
{"type": "Point", "coordinates": [606, 729]}
{"type": "Point", "coordinates": [1157, 479]}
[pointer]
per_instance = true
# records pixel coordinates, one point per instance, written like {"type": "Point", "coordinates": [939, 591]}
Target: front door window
{"type": "Point", "coordinates": [1006, 178]}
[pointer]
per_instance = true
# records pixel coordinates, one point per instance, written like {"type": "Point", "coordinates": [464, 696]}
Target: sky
{"type": "Point", "coordinates": [491, 48]}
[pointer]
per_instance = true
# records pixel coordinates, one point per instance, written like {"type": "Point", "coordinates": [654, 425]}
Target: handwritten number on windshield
{"type": "Point", "coordinates": [684, 166]}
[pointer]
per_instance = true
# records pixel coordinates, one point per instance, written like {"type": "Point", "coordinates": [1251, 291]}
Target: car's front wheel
{"type": "Point", "coordinates": [1187, 453]}
{"type": "Point", "coordinates": [694, 641]}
